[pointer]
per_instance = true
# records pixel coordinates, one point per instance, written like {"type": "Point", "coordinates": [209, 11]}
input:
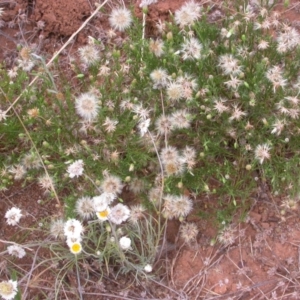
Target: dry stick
{"type": "Point", "coordinates": [13, 243]}
{"type": "Point", "coordinates": [57, 53]}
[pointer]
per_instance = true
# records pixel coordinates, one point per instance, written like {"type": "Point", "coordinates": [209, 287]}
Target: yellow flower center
{"type": "Point", "coordinates": [103, 214]}
{"type": "Point", "coordinates": [76, 248]}
{"type": "Point", "coordinates": [6, 288]}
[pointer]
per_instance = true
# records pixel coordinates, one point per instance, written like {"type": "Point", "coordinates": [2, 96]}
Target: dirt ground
{"type": "Point", "coordinates": [262, 261]}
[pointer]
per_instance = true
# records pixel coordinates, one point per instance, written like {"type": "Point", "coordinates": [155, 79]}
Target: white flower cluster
{"type": "Point", "coordinates": [87, 208]}
{"type": "Point", "coordinates": [73, 230]}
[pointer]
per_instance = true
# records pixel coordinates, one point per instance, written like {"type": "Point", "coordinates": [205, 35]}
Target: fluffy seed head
{"type": "Point", "coordinates": [87, 106]}
{"type": "Point", "coordinates": [181, 119]}
{"type": "Point", "coordinates": [288, 39]}
{"type": "Point", "coordinates": [136, 186]}
{"type": "Point", "coordinates": [169, 153]}
{"type": "Point", "coordinates": [164, 124]}
{"type": "Point", "coordinates": [227, 236]}
{"type": "Point", "coordinates": [176, 206]}
{"type": "Point", "coordinates": [75, 169]}
{"type": "Point", "coordinates": [46, 183]}
{"type": "Point", "coordinates": [112, 184]}
{"type": "Point", "coordinates": [19, 171]}
{"type": "Point", "coordinates": [31, 161]}
{"type": "Point", "coordinates": [156, 47]}
{"type": "Point", "coordinates": [189, 232]}
{"type": "Point", "coordinates": [85, 207]}
{"type": "Point", "coordinates": [175, 167]}
{"type": "Point", "coordinates": [191, 49]}
{"type": "Point", "coordinates": [154, 195]}
{"type": "Point", "coordinates": [262, 152]}
{"type": "Point", "coordinates": [120, 19]}
{"type": "Point", "coordinates": [188, 14]}
{"type": "Point", "coordinates": [274, 75]}
{"type": "Point", "coordinates": [136, 213]}
{"type": "Point", "coordinates": [229, 65]}
{"type": "Point", "coordinates": [160, 78]}
{"type": "Point", "coordinates": [174, 91]}
{"type": "Point", "coordinates": [89, 54]}
{"type": "Point", "coordinates": [57, 228]}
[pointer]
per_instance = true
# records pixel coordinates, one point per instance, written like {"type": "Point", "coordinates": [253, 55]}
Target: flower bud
{"type": "Point", "coordinates": [169, 35]}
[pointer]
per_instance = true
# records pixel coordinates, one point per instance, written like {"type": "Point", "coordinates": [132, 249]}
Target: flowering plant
{"type": "Point", "coordinates": [209, 106]}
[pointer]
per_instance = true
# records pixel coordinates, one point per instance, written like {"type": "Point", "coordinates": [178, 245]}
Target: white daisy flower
{"type": "Point", "coordinates": [8, 289]}
{"type": "Point", "coordinates": [103, 214]}
{"type": "Point", "coordinates": [13, 216]}
{"type": "Point", "coordinates": [73, 228]}
{"type": "Point", "coordinates": [76, 168]}
{"type": "Point", "coordinates": [76, 248]}
{"type": "Point", "coordinates": [71, 240]}
{"type": "Point", "coordinates": [120, 19]}
{"type": "Point", "coordinates": [100, 203]}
